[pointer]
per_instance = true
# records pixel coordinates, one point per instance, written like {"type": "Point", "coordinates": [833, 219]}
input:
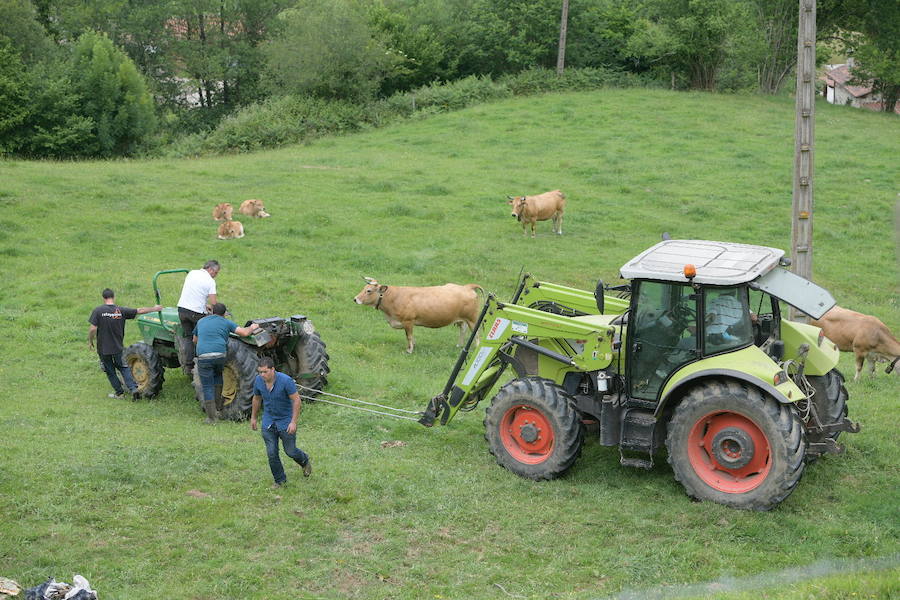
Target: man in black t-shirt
{"type": "Point", "coordinates": [108, 329]}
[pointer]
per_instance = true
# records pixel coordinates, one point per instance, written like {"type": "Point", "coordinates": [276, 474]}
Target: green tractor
{"type": "Point", "coordinates": [693, 354]}
{"type": "Point", "coordinates": [293, 344]}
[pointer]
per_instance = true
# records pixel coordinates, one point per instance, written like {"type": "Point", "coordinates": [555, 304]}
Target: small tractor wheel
{"type": "Point", "coordinates": [731, 444]}
{"type": "Point", "coordinates": [146, 368]}
{"type": "Point", "coordinates": [238, 376]}
{"type": "Point", "coordinates": [830, 401]}
{"type": "Point", "coordinates": [533, 429]}
{"type": "Point", "coordinates": [310, 356]}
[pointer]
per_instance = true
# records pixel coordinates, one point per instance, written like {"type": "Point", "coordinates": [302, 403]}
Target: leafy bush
{"type": "Point", "coordinates": [538, 81]}
{"type": "Point", "coordinates": [276, 122]}
{"type": "Point", "coordinates": [327, 48]}
{"type": "Point", "coordinates": [13, 94]}
{"type": "Point", "coordinates": [444, 97]}
{"type": "Point", "coordinates": [114, 95]}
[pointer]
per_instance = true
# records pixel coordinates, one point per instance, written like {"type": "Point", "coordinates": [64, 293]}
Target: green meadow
{"type": "Point", "coordinates": [146, 502]}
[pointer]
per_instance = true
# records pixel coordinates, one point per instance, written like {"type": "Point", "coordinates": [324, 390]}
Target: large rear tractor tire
{"type": "Point", "coordinates": [533, 429]}
{"type": "Point", "coordinates": [731, 444]}
{"type": "Point", "coordinates": [238, 376]}
{"type": "Point", "coordinates": [310, 358]}
{"type": "Point", "coordinates": [146, 368]}
{"type": "Point", "coordinates": [830, 401]}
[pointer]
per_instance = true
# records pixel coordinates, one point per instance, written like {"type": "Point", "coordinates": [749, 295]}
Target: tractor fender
{"type": "Point", "coordinates": [699, 376]}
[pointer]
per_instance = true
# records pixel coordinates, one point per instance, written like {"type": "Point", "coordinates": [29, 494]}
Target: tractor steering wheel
{"type": "Point", "coordinates": [682, 316]}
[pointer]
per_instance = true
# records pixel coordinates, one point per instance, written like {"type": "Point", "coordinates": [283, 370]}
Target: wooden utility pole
{"type": "Point", "coordinates": [804, 137]}
{"type": "Point", "coordinates": [563, 26]}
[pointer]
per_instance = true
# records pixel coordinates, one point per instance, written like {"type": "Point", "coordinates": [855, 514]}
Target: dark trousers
{"type": "Point", "coordinates": [289, 441]}
{"type": "Point", "coordinates": [111, 364]}
{"type": "Point", "coordinates": [210, 372]}
{"type": "Point", "coordinates": [188, 320]}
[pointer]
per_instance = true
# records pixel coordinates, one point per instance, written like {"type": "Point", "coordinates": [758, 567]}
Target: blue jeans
{"type": "Point", "coordinates": [210, 372]}
{"type": "Point", "coordinates": [113, 362]}
{"type": "Point", "coordinates": [271, 436]}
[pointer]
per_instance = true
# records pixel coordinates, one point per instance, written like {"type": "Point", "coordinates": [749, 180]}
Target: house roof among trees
{"type": "Point", "coordinates": [841, 75]}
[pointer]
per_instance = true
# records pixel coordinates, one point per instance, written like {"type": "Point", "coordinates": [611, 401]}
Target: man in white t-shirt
{"type": "Point", "coordinates": [197, 296]}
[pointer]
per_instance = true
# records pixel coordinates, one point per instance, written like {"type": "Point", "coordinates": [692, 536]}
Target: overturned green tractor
{"type": "Point", "coordinates": [693, 354]}
{"type": "Point", "coordinates": [292, 343]}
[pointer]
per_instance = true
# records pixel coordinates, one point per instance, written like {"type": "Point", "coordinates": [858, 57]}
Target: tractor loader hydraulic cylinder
{"type": "Point", "coordinates": [465, 351]}
{"type": "Point", "coordinates": [541, 350]}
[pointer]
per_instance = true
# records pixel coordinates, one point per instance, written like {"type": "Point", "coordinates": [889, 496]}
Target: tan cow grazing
{"type": "Point", "coordinates": [434, 306]}
{"type": "Point", "coordinates": [223, 212]}
{"type": "Point", "coordinates": [231, 230]}
{"type": "Point", "coordinates": [864, 335]}
{"type": "Point", "coordinates": [531, 209]}
{"type": "Point", "coordinates": [253, 208]}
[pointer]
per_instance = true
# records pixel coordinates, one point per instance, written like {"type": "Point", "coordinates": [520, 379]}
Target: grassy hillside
{"type": "Point", "coordinates": [101, 487]}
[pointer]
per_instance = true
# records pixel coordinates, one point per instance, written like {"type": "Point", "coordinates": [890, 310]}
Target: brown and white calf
{"type": "Point", "coordinates": [864, 335]}
{"type": "Point", "coordinates": [253, 208]}
{"type": "Point", "coordinates": [222, 212]}
{"type": "Point", "coordinates": [531, 209]}
{"type": "Point", "coordinates": [433, 306]}
{"type": "Point", "coordinates": [231, 230]}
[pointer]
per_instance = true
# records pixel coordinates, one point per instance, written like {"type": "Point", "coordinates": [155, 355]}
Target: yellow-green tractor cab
{"type": "Point", "coordinates": [692, 354]}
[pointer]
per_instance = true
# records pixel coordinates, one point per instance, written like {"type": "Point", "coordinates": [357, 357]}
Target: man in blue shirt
{"type": "Point", "coordinates": [211, 339]}
{"type": "Point", "coordinates": [281, 406]}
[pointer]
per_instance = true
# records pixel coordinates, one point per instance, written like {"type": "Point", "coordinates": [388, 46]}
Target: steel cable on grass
{"type": "Point", "coordinates": [318, 398]}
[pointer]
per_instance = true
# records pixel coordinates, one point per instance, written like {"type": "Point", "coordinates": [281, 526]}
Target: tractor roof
{"type": "Point", "coordinates": [717, 263]}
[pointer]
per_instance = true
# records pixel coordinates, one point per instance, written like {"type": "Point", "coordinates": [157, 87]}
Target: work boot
{"type": "Point", "coordinates": [307, 468]}
{"type": "Point", "coordinates": [220, 401]}
{"type": "Point", "coordinates": [210, 408]}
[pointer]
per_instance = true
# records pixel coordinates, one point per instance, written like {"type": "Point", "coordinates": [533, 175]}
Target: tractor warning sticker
{"type": "Point", "coordinates": [477, 363]}
{"type": "Point", "coordinates": [497, 329]}
{"type": "Point", "coordinates": [520, 327]}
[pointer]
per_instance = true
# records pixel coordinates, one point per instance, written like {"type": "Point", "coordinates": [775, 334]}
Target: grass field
{"type": "Point", "coordinates": [146, 502]}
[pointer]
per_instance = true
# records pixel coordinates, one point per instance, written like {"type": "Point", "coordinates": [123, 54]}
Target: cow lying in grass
{"type": "Point", "coordinates": [223, 212]}
{"type": "Point", "coordinates": [864, 335]}
{"type": "Point", "coordinates": [253, 208]}
{"type": "Point", "coordinates": [231, 230]}
{"type": "Point", "coordinates": [434, 306]}
{"type": "Point", "coordinates": [531, 209]}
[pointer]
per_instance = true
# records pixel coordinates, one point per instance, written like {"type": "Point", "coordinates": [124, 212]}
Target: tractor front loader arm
{"type": "Point", "coordinates": [503, 328]}
{"type": "Point", "coordinates": [565, 300]}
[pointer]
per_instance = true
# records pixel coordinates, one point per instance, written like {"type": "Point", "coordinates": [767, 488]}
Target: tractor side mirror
{"type": "Point", "coordinates": [598, 296]}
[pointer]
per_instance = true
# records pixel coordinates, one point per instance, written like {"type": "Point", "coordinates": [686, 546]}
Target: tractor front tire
{"type": "Point", "coordinates": [146, 368]}
{"type": "Point", "coordinates": [238, 376]}
{"type": "Point", "coordinates": [533, 429]}
{"type": "Point", "coordinates": [310, 357]}
{"type": "Point", "coordinates": [830, 401]}
{"type": "Point", "coordinates": [731, 444]}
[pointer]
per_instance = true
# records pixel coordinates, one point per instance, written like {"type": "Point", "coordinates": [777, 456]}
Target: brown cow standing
{"type": "Point", "coordinates": [864, 335]}
{"type": "Point", "coordinates": [434, 306]}
{"type": "Point", "coordinates": [531, 209]}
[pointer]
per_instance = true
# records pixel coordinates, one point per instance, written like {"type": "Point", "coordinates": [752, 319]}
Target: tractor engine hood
{"type": "Point", "coordinates": [800, 293]}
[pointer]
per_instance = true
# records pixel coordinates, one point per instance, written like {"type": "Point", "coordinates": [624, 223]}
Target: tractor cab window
{"type": "Point", "coordinates": [765, 315]}
{"type": "Point", "coordinates": [664, 334]}
{"type": "Point", "coordinates": [726, 319]}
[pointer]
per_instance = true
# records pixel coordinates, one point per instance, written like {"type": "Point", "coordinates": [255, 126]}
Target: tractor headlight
{"type": "Point", "coordinates": [780, 377]}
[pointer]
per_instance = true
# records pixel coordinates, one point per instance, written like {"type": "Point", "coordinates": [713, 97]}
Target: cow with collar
{"type": "Point", "coordinates": [433, 306]}
{"type": "Point", "coordinates": [531, 209]}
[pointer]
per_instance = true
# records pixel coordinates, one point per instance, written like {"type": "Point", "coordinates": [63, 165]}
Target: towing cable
{"type": "Point", "coordinates": [318, 398]}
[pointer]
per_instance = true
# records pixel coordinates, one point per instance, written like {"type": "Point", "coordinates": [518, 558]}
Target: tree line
{"type": "Point", "coordinates": [119, 77]}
